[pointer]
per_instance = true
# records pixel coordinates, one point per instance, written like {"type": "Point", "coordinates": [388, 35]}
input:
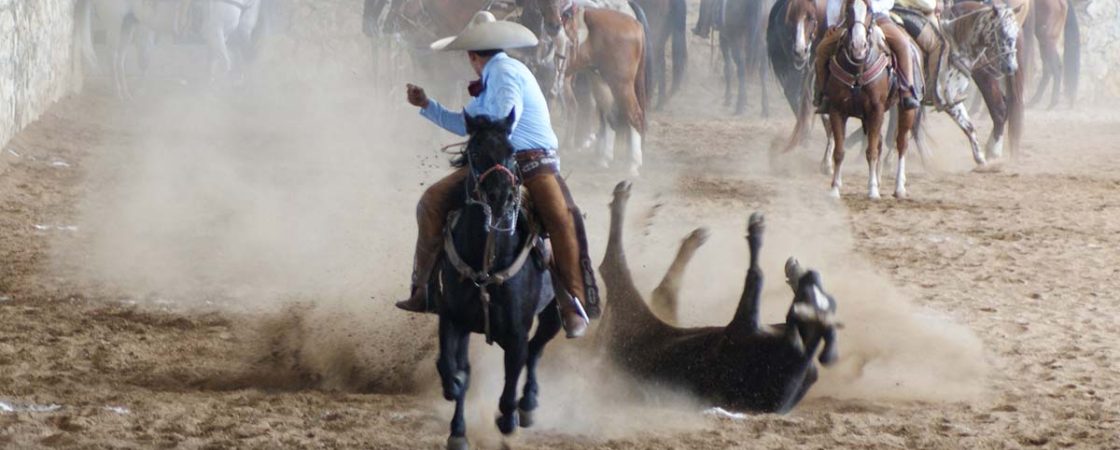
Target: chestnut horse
{"type": "Point", "coordinates": [1004, 95]}
{"type": "Point", "coordinates": [1056, 20]}
{"type": "Point", "coordinates": [861, 84]}
{"type": "Point", "coordinates": [793, 30]}
{"type": "Point", "coordinates": [609, 47]}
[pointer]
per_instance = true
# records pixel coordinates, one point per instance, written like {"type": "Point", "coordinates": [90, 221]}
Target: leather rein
{"type": "Point", "coordinates": [486, 276]}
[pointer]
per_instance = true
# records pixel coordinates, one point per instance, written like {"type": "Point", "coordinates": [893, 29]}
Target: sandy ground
{"type": "Point", "coordinates": [194, 271]}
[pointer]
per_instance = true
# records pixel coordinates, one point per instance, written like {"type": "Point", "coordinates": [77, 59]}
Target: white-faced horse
{"type": "Point", "coordinates": [222, 23]}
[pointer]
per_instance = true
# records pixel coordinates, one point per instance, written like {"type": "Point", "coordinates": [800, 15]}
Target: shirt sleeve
{"type": "Point", "coordinates": [449, 120]}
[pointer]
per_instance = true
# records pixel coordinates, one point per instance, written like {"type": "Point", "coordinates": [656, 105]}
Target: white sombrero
{"type": "Point", "coordinates": [485, 32]}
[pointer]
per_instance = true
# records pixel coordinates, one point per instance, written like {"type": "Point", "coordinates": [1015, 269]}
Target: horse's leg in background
{"type": "Point", "coordinates": [992, 90]}
{"type": "Point", "coordinates": [1051, 70]}
{"type": "Point", "coordinates": [112, 15]}
{"type": "Point", "coordinates": [216, 31]}
{"type": "Point", "coordinates": [827, 165]}
{"type": "Point", "coordinates": [764, 84]}
{"type": "Point", "coordinates": [725, 50]}
{"type": "Point", "coordinates": [960, 115]}
{"type": "Point", "coordinates": [905, 127]}
{"type": "Point", "coordinates": [516, 346]}
{"type": "Point", "coordinates": [739, 53]}
{"type": "Point", "coordinates": [665, 302]}
{"type": "Point", "coordinates": [548, 325]}
{"type": "Point", "coordinates": [605, 107]}
{"type": "Point", "coordinates": [658, 46]}
{"type": "Point", "coordinates": [244, 32]}
{"type": "Point", "coordinates": [873, 123]}
{"type": "Point", "coordinates": [837, 124]}
{"type": "Point", "coordinates": [453, 365]}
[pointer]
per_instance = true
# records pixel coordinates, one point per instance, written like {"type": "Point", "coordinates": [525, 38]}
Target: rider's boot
{"type": "Point", "coordinates": [431, 214]}
{"type": "Point", "coordinates": [551, 201]}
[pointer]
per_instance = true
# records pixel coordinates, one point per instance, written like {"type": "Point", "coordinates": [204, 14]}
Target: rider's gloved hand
{"type": "Point", "coordinates": [416, 96]}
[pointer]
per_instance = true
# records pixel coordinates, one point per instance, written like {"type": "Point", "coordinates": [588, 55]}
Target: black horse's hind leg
{"type": "Point", "coordinates": [548, 325]}
{"type": "Point", "coordinates": [516, 353]}
{"type": "Point", "coordinates": [454, 371]}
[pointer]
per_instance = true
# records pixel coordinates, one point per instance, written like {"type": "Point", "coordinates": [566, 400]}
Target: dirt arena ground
{"type": "Point", "coordinates": [195, 271]}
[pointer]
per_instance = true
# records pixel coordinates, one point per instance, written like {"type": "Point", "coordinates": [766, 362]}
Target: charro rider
{"type": "Point", "coordinates": [506, 85]}
{"type": "Point", "coordinates": [897, 40]}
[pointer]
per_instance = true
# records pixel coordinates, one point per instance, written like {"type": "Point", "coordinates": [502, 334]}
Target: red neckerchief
{"type": "Point", "coordinates": [476, 87]}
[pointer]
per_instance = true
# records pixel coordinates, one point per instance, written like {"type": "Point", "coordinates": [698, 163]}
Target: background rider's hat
{"type": "Point", "coordinates": [485, 32]}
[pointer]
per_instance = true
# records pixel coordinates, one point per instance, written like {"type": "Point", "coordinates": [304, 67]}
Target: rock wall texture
{"type": "Point", "coordinates": [37, 64]}
{"type": "Point", "coordinates": [1100, 40]}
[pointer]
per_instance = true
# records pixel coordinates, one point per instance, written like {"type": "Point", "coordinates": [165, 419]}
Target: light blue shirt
{"type": "Point", "coordinates": [833, 8]}
{"type": "Point", "coordinates": [509, 86]}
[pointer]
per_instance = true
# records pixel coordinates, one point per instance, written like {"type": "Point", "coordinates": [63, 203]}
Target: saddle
{"type": "Point", "coordinates": [927, 36]}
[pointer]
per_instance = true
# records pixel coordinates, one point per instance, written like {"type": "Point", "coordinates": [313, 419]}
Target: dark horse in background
{"type": "Point", "coordinates": [742, 44]}
{"type": "Point", "coordinates": [792, 32]}
{"type": "Point", "coordinates": [745, 365]}
{"type": "Point", "coordinates": [492, 281]}
{"type": "Point", "coordinates": [667, 27]}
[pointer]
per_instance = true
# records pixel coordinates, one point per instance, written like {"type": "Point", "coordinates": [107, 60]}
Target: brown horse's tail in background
{"type": "Point", "coordinates": [1072, 54]}
{"type": "Point", "coordinates": [644, 79]}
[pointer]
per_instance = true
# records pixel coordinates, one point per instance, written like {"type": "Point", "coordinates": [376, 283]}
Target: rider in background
{"type": "Point", "coordinates": [897, 40]}
{"type": "Point", "coordinates": [505, 85]}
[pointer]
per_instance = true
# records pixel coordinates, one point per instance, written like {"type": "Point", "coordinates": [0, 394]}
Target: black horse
{"type": "Point", "coordinates": [492, 280]}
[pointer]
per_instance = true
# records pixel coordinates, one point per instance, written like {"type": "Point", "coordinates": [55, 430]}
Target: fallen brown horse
{"type": "Point", "coordinates": [608, 47]}
{"type": "Point", "coordinates": [744, 365]}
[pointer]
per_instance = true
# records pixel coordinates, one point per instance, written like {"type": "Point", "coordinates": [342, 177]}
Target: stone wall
{"type": "Point", "coordinates": [1100, 51]}
{"type": "Point", "coordinates": [37, 66]}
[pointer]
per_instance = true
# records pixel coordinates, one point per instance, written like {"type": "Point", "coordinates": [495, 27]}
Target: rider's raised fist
{"type": "Point", "coordinates": [416, 96]}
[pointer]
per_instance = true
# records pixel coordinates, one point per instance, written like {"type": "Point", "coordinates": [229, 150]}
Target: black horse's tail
{"type": "Point", "coordinates": [678, 27]}
{"type": "Point", "coordinates": [644, 82]}
{"type": "Point", "coordinates": [1072, 54]}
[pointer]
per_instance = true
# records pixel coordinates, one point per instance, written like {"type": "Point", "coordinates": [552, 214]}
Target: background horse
{"type": "Point", "coordinates": [1056, 20]}
{"type": "Point", "coordinates": [666, 21]}
{"type": "Point", "coordinates": [741, 43]}
{"type": "Point", "coordinates": [489, 284]}
{"type": "Point", "coordinates": [861, 84]}
{"type": "Point", "coordinates": [793, 29]}
{"type": "Point", "coordinates": [980, 40]}
{"type": "Point", "coordinates": [224, 23]}
{"type": "Point", "coordinates": [609, 49]}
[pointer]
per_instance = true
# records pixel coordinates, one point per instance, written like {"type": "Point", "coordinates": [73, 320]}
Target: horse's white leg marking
{"type": "Point", "coordinates": [830, 146]}
{"type": "Point", "coordinates": [606, 146]}
{"type": "Point", "coordinates": [960, 114]}
{"type": "Point", "coordinates": [635, 140]}
{"type": "Point", "coordinates": [994, 148]}
{"type": "Point", "coordinates": [873, 179]}
{"type": "Point", "coordinates": [900, 177]}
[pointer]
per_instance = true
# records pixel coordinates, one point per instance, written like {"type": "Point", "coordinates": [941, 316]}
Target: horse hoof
{"type": "Point", "coordinates": [458, 443]}
{"type": "Point", "coordinates": [756, 225]}
{"type": "Point", "coordinates": [507, 423]}
{"type": "Point", "coordinates": [697, 238]}
{"type": "Point", "coordinates": [634, 172]}
{"type": "Point", "coordinates": [901, 194]}
{"type": "Point", "coordinates": [603, 163]}
{"type": "Point", "coordinates": [834, 193]}
{"type": "Point", "coordinates": [826, 169]}
{"type": "Point", "coordinates": [873, 196]}
{"type": "Point", "coordinates": [622, 189]}
{"type": "Point", "coordinates": [525, 417]}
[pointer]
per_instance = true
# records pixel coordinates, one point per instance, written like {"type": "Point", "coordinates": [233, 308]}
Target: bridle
{"type": "Point", "coordinates": [485, 277]}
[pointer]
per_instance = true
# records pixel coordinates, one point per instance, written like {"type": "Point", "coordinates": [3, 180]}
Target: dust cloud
{"type": "Point", "coordinates": [289, 199]}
